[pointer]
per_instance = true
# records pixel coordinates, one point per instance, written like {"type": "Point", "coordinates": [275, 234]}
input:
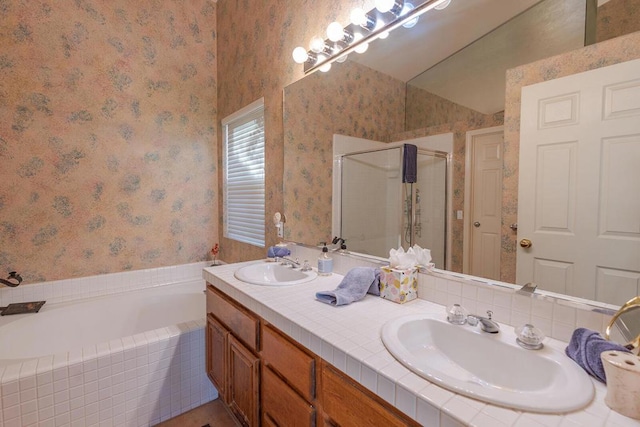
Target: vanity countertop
{"type": "Point", "coordinates": [349, 338]}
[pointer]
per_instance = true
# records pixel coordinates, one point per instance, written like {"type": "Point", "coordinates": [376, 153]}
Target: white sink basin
{"type": "Point", "coordinates": [488, 367]}
{"type": "Point", "coordinates": [273, 274]}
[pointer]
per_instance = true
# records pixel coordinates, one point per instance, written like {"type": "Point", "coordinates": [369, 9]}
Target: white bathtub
{"type": "Point", "coordinates": [135, 358]}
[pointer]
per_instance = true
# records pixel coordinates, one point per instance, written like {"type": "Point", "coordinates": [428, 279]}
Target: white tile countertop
{"type": "Point", "coordinates": [348, 337]}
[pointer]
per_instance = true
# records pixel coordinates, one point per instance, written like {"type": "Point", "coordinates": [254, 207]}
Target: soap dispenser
{"type": "Point", "coordinates": [325, 263]}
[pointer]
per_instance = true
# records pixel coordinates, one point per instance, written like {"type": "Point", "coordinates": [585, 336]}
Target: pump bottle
{"type": "Point", "coordinates": [325, 263]}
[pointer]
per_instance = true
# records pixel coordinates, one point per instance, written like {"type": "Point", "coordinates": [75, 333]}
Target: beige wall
{"type": "Point", "coordinates": [107, 136]}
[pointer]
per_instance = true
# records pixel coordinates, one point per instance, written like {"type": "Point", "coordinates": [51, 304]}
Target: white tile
{"type": "Point", "coordinates": [353, 368]}
{"type": "Point", "coordinates": [435, 395]}
{"type": "Point", "coordinates": [386, 389]}
{"type": "Point", "coordinates": [561, 331]}
{"type": "Point", "coordinates": [485, 295]}
{"type": "Point", "coordinates": [469, 291]}
{"type": "Point", "coordinates": [508, 416]}
{"type": "Point", "coordinates": [29, 406]}
{"type": "Point", "coordinates": [448, 421]}
{"type": "Point", "coordinates": [564, 314]}
{"type": "Point", "coordinates": [369, 378]}
{"type": "Point", "coordinates": [406, 401]}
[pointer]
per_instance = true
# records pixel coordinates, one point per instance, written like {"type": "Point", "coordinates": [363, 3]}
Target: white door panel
{"type": "Point", "coordinates": [579, 184]}
{"type": "Point", "coordinates": [486, 202]}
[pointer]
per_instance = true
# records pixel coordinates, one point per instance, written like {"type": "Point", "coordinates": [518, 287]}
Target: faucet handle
{"type": "Point", "coordinates": [529, 337]}
{"type": "Point", "coordinates": [457, 314]}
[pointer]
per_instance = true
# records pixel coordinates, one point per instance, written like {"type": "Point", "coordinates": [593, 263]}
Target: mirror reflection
{"type": "Point", "coordinates": [358, 100]}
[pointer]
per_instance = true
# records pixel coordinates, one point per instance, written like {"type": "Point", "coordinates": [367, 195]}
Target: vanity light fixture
{"type": "Point", "coordinates": [365, 27]}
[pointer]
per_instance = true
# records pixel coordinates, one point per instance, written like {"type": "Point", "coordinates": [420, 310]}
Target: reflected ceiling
{"type": "Point", "coordinates": [475, 76]}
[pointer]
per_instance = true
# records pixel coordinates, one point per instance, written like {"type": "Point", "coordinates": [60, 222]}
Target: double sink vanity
{"type": "Point", "coordinates": [279, 357]}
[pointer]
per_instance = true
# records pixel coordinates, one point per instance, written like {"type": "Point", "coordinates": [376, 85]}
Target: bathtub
{"type": "Point", "coordinates": [128, 359]}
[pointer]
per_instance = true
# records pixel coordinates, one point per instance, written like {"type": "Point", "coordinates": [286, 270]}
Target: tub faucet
{"type": "Point", "coordinates": [486, 324]}
{"type": "Point", "coordinates": [13, 280]}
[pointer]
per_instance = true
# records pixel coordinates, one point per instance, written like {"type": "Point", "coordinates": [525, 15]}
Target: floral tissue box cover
{"type": "Point", "coordinates": [399, 285]}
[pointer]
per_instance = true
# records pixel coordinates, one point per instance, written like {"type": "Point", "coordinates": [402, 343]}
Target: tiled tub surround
{"type": "Point", "coordinates": [349, 338]}
{"type": "Point", "coordinates": [138, 380]}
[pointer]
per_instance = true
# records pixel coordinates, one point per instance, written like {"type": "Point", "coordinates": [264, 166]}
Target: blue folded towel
{"type": "Point", "coordinates": [354, 286]}
{"type": "Point", "coordinates": [277, 251]}
{"type": "Point", "coordinates": [585, 348]}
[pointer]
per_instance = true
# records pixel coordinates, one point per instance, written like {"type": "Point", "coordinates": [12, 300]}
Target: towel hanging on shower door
{"type": "Point", "coordinates": [409, 163]}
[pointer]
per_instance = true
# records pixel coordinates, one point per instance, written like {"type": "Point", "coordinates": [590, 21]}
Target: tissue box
{"type": "Point", "coordinates": [399, 285]}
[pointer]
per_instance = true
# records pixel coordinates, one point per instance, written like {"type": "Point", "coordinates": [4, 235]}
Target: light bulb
{"type": "Point", "coordinates": [325, 68]}
{"type": "Point", "coordinates": [300, 55]}
{"type": "Point", "coordinates": [385, 5]}
{"type": "Point", "coordinates": [363, 47]}
{"type": "Point", "coordinates": [316, 45]}
{"type": "Point", "coordinates": [358, 16]}
{"type": "Point", "coordinates": [337, 48]}
{"type": "Point", "coordinates": [335, 32]}
{"type": "Point", "coordinates": [443, 5]}
{"type": "Point", "coordinates": [383, 35]}
{"type": "Point", "coordinates": [408, 7]}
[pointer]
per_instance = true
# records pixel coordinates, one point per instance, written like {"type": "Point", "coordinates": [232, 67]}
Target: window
{"type": "Point", "coordinates": [243, 174]}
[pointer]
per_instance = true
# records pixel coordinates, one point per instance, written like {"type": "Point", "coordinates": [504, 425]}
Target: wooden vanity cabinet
{"type": "Point", "coordinates": [233, 365]}
{"type": "Point", "coordinates": [347, 403]}
{"type": "Point", "coordinates": [268, 379]}
{"type": "Point", "coordinates": [288, 381]}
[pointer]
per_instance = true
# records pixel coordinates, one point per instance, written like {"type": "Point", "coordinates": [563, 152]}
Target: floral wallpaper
{"type": "Point", "coordinates": [255, 41]}
{"type": "Point", "coordinates": [350, 100]}
{"type": "Point", "coordinates": [109, 115]}
{"type": "Point", "coordinates": [621, 49]}
{"type": "Point", "coordinates": [617, 17]}
{"type": "Point", "coordinates": [425, 109]}
{"type": "Point", "coordinates": [107, 135]}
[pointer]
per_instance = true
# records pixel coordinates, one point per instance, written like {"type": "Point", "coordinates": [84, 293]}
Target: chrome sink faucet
{"type": "Point", "coordinates": [290, 262]}
{"type": "Point", "coordinates": [486, 324]}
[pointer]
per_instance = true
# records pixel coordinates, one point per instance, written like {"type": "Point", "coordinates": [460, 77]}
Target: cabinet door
{"type": "Point", "coordinates": [347, 403]}
{"type": "Point", "coordinates": [216, 356]}
{"type": "Point", "coordinates": [243, 383]}
{"type": "Point", "coordinates": [283, 406]}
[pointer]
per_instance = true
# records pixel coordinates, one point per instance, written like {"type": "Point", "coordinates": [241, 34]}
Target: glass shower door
{"type": "Point", "coordinates": [371, 202]}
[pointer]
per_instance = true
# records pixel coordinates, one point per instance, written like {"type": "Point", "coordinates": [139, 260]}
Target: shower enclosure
{"type": "Point", "coordinates": [380, 211]}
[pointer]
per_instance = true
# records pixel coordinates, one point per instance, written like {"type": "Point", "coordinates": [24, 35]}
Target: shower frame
{"type": "Point", "coordinates": [412, 223]}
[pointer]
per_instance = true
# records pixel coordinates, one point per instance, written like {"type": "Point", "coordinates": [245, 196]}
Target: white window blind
{"type": "Point", "coordinates": [244, 175]}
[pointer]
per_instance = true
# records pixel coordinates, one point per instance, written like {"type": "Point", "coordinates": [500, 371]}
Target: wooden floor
{"type": "Point", "coordinates": [214, 413]}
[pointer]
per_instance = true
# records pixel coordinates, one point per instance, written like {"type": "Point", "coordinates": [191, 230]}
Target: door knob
{"type": "Point", "coordinates": [476, 224]}
{"type": "Point", "coordinates": [526, 243]}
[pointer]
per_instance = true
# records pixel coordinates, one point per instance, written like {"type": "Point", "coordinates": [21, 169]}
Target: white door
{"type": "Point", "coordinates": [579, 184]}
{"type": "Point", "coordinates": [484, 221]}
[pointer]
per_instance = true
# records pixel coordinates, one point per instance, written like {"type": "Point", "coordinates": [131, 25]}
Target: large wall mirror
{"type": "Point", "coordinates": [391, 93]}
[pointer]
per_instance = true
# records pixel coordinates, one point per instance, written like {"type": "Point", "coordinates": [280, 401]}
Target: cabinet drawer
{"type": "Point", "coordinates": [281, 405]}
{"type": "Point", "coordinates": [291, 362]}
{"type": "Point", "coordinates": [347, 403]}
{"type": "Point", "coordinates": [239, 321]}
